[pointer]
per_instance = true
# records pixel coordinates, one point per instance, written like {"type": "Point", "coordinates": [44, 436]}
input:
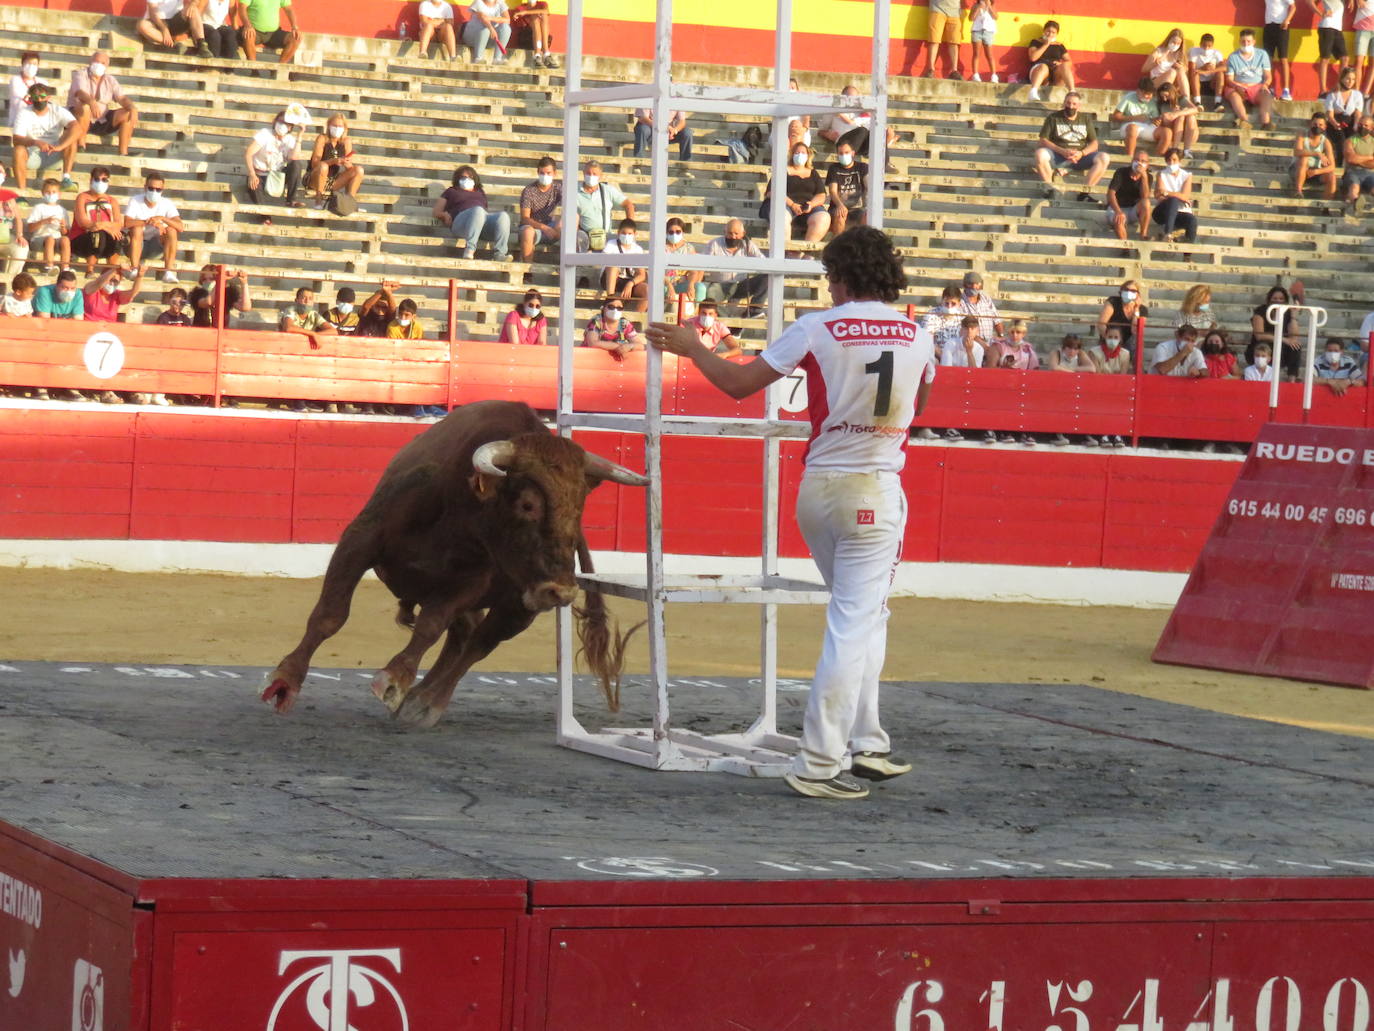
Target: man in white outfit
{"type": "Point", "coordinates": [868, 370]}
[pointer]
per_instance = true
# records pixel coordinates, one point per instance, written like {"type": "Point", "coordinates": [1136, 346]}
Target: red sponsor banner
{"type": "Point", "coordinates": [1285, 584]}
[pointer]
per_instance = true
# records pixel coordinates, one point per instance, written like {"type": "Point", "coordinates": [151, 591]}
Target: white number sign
{"type": "Point", "coordinates": [104, 355]}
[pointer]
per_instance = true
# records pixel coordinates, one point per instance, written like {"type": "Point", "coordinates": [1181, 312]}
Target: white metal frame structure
{"type": "Point", "coordinates": [1316, 318]}
{"type": "Point", "coordinates": [760, 750]}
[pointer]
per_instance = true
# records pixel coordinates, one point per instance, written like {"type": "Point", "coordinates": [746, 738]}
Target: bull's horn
{"type": "Point", "coordinates": [604, 469]}
{"type": "Point", "coordinates": [492, 455]}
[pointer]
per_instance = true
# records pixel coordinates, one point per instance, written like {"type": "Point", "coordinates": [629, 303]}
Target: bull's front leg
{"type": "Point", "coordinates": [394, 681]}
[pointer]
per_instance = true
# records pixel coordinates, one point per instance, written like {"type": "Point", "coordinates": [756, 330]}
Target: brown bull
{"type": "Point", "coordinates": [475, 522]}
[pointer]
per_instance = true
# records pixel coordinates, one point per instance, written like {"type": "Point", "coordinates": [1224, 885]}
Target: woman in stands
{"type": "Point", "coordinates": [332, 167]}
{"type": "Point", "coordinates": [1262, 332]}
{"type": "Point", "coordinates": [1179, 116]}
{"type": "Point", "coordinates": [1168, 62]}
{"type": "Point", "coordinates": [20, 83]}
{"type": "Point", "coordinates": [806, 200]}
{"type": "Point", "coordinates": [1121, 311]}
{"type": "Point", "coordinates": [1313, 157]}
{"type": "Point", "coordinates": [276, 149]}
{"type": "Point", "coordinates": [1173, 209]}
{"type": "Point", "coordinates": [97, 223]}
{"type": "Point", "coordinates": [1196, 309]}
{"type": "Point", "coordinates": [611, 331]}
{"type": "Point", "coordinates": [465, 210]}
{"type": "Point", "coordinates": [526, 323]}
{"type": "Point", "coordinates": [1344, 105]}
{"type": "Point", "coordinates": [221, 35]}
{"type": "Point", "coordinates": [436, 19]}
{"type": "Point", "coordinates": [1050, 61]}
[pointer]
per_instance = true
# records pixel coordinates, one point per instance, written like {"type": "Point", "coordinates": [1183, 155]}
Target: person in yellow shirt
{"type": "Point", "coordinates": [404, 325]}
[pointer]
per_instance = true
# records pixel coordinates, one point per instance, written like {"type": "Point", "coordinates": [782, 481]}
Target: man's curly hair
{"type": "Point", "coordinates": [864, 260]}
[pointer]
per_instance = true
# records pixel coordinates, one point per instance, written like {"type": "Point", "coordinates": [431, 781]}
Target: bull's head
{"type": "Point", "coordinates": [533, 489]}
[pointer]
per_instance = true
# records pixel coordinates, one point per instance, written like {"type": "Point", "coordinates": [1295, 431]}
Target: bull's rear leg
{"type": "Point", "coordinates": [393, 682]}
{"type": "Point", "coordinates": [351, 559]}
{"type": "Point", "coordinates": [463, 647]}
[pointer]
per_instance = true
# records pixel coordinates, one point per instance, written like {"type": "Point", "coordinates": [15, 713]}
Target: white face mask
{"type": "Point", "coordinates": [799, 158]}
{"type": "Point", "coordinates": [404, 320]}
{"type": "Point", "coordinates": [29, 69]}
{"type": "Point", "coordinates": [531, 311]}
{"type": "Point", "coordinates": [99, 187]}
{"type": "Point", "coordinates": [1137, 166]}
{"type": "Point", "coordinates": [846, 159]}
{"type": "Point", "coordinates": [110, 287]}
{"type": "Point", "coordinates": [1128, 296]}
{"type": "Point", "coordinates": [627, 239]}
{"type": "Point", "coordinates": [51, 198]}
{"type": "Point", "coordinates": [281, 128]}
{"type": "Point", "coordinates": [591, 179]}
{"type": "Point", "coordinates": [336, 131]}
{"type": "Point", "coordinates": [1175, 168]}
{"type": "Point", "coordinates": [707, 320]}
{"type": "Point", "coordinates": [1113, 342]}
{"type": "Point", "coordinates": [65, 296]}
{"type": "Point", "coordinates": [153, 196]}
{"type": "Point", "coordinates": [465, 183]}
{"type": "Point", "coordinates": [610, 313]}
{"type": "Point", "coordinates": [674, 238]}
{"type": "Point", "coordinates": [1261, 361]}
{"type": "Point", "coordinates": [97, 69]}
{"type": "Point", "coordinates": [345, 307]}
{"type": "Point", "coordinates": [1248, 49]}
{"type": "Point", "coordinates": [545, 179]}
{"type": "Point", "coordinates": [207, 283]}
{"type": "Point", "coordinates": [1333, 357]}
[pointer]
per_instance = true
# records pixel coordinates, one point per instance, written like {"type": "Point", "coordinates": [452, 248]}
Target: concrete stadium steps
{"type": "Point", "coordinates": [962, 196]}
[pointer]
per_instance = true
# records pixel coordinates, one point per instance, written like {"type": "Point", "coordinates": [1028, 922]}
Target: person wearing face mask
{"type": "Point", "coordinates": [1313, 159]}
{"type": "Point", "coordinates": [1173, 209]}
{"type": "Point", "coordinates": [49, 225]}
{"type": "Point", "coordinates": [333, 165]}
{"type": "Point", "coordinates": [1216, 352]}
{"type": "Point", "coordinates": [540, 202]}
{"type": "Point", "coordinates": [942, 322]}
{"type": "Point", "coordinates": [1128, 194]}
{"type": "Point", "coordinates": [713, 333]}
{"type": "Point", "coordinates": [596, 201]}
{"type": "Point", "coordinates": [44, 135]}
{"type": "Point", "coordinates": [1120, 312]}
{"type": "Point", "coordinates": [1180, 356]}
{"type": "Point", "coordinates": [99, 103]}
{"type": "Point", "coordinates": [343, 316]}
{"type": "Point", "coordinates": [684, 283]}
{"type": "Point", "coordinates": [104, 301]}
{"type": "Point", "coordinates": [870, 370]}
{"type": "Point", "coordinates": [973, 301]}
{"type": "Point", "coordinates": [846, 184]}
{"type": "Point", "coordinates": [301, 317]}
{"type": "Point", "coordinates": [166, 21]}
{"type": "Point", "coordinates": [1168, 62]}
{"type": "Point", "coordinates": [1110, 355]}
{"type": "Point", "coordinates": [1049, 61]}
{"type": "Point", "coordinates": [747, 287]}
{"type": "Point", "coordinates": [1359, 163]}
{"type": "Point", "coordinates": [1338, 368]}
{"type": "Point", "coordinates": [1068, 143]}
{"type": "Point", "coordinates": [60, 300]}
{"type": "Point", "coordinates": [1137, 118]}
{"type": "Point", "coordinates": [1179, 115]}
{"type": "Point", "coordinates": [626, 283]}
{"type": "Point", "coordinates": [275, 152]}
{"type": "Point", "coordinates": [612, 332]}
{"type": "Point", "coordinates": [436, 22]}
{"type": "Point", "coordinates": [1206, 71]}
{"type": "Point", "coordinates": [1261, 368]}
{"type": "Point", "coordinates": [202, 297]}
{"type": "Point", "coordinates": [525, 323]}
{"type": "Point", "coordinates": [805, 197]}
{"type": "Point", "coordinates": [463, 208]}
{"type": "Point", "coordinates": [1249, 80]}
{"type": "Point", "coordinates": [153, 226]}
{"type": "Point", "coordinates": [21, 82]}
{"type": "Point", "coordinates": [14, 245]}
{"type": "Point", "coordinates": [1263, 330]}
{"type": "Point", "coordinates": [1196, 308]}
{"type": "Point", "coordinates": [406, 325]}
{"type": "Point", "coordinates": [98, 229]}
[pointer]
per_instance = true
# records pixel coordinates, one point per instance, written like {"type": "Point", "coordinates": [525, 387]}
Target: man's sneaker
{"type": "Point", "coordinates": [878, 766]}
{"type": "Point", "coordinates": [1028, 440]}
{"type": "Point", "coordinates": [1090, 441]}
{"type": "Point", "coordinates": [952, 434]}
{"type": "Point", "coordinates": [203, 49]}
{"type": "Point", "coordinates": [1006, 438]}
{"type": "Point", "coordinates": [838, 786]}
{"type": "Point", "coordinates": [1188, 154]}
{"type": "Point", "coordinates": [1059, 440]}
{"type": "Point", "coordinates": [1287, 94]}
{"type": "Point", "coordinates": [1084, 197]}
{"type": "Point", "coordinates": [1118, 442]}
{"type": "Point", "coordinates": [989, 437]}
{"type": "Point", "coordinates": [926, 433]}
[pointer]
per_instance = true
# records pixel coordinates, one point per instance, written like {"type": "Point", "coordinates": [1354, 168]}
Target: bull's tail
{"type": "Point", "coordinates": [602, 643]}
{"type": "Point", "coordinates": [405, 614]}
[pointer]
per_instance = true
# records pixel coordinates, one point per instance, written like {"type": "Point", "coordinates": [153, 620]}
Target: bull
{"type": "Point", "coordinates": [474, 523]}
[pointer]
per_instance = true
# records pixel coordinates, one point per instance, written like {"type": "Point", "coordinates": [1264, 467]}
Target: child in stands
{"type": "Point", "coordinates": [49, 225]}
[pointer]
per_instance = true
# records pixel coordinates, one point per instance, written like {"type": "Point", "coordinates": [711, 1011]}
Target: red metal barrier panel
{"type": "Point", "coordinates": [337, 464]}
{"type": "Point", "coordinates": [1177, 407]}
{"type": "Point", "coordinates": [1159, 510]}
{"type": "Point", "coordinates": [1031, 402]}
{"type": "Point", "coordinates": [1284, 584]}
{"type": "Point", "coordinates": [519, 372]}
{"type": "Point", "coordinates": [106, 356]}
{"type": "Point", "coordinates": [1328, 408]}
{"type": "Point", "coordinates": [362, 369]}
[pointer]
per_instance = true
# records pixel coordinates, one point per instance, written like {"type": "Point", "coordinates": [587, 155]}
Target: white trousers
{"type": "Point", "coordinates": [853, 524]}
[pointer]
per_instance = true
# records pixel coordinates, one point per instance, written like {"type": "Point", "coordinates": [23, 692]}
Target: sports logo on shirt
{"type": "Point", "coordinates": [860, 332]}
{"type": "Point", "coordinates": [864, 517]}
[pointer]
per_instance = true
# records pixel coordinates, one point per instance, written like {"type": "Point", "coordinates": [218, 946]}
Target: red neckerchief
{"type": "Point", "coordinates": [1111, 352]}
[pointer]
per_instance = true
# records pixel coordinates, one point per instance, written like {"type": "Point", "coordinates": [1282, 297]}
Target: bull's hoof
{"type": "Point", "coordinates": [279, 693]}
{"type": "Point", "coordinates": [390, 689]}
{"type": "Point", "coordinates": [416, 713]}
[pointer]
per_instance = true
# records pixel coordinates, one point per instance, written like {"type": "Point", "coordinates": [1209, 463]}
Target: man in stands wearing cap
{"type": "Point", "coordinates": [99, 104]}
{"type": "Point", "coordinates": [274, 150]}
{"type": "Point", "coordinates": [45, 135]}
{"type": "Point", "coordinates": [975, 302]}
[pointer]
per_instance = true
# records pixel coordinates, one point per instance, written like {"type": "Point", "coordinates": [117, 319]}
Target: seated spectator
{"type": "Point", "coordinates": [1359, 163]}
{"type": "Point", "coordinates": [1068, 142]}
{"type": "Point", "coordinates": [1121, 312]}
{"type": "Point", "coordinates": [975, 302]}
{"type": "Point", "coordinates": [178, 311]}
{"type": "Point", "coordinates": [99, 104]}
{"type": "Point", "coordinates": [679, 132]}
{"type": "Point", "coordinates": [301, 317]}
{"type": "Point", "coordinates": [463, 207]}
{"type": "Point", "coordinates": [1344, 106]}
{"type": "Point", "coordinates": [1196, 308]}
{"type": "Point", "coordinates": [1262, 331]}
{"type": "Point", "coordinates": [612, 332]}
{"type": "Point", "coordinates": [805, 197]}
{"type": "Point", "coordinates": [1070, 356]}
{"type": "Point", "coordinates": [217, 19]}
{"type": "Point", "coordinates": [853, 128]}
{"type": "Point", "coordinates": [1049, 61]}
{"type": "Point", "coordinates": [274, 156]}
{"type": "Point", "coordinates": [1217, 353]}
{"type": "Point", "coordinates": [798, 126]}
{"type": "Point", "coordinates": [982, 22]}
{"type": "Point", "coordinates": [44, 135]}
{"type": "Point", "coordinates": [14, 245]}
{"type": "Point", "coordinates": [262, 28]}
{"type": "Point", "coordinates": [488, 20]}
{"type": "Point", "coordinates": [342, 316]}
{"type": "Point", "coordinates": [1180, 356]}
{"type": "Point", "coordinates": [1249, 78]}
{"type": "Point", "coordinates": [202, 299]}
{"type": "Point", "coordinates": [595, 203]}
{"type": "Point", "coordinates": [1137, 118]}
{"type": "Point", "coordinates": [747, 287]}
{"type": "Point", "coordinates": [713, 333]}
{"type": "Point", "coordinates": [436, 21]}
{"type": "Point", "coordinates": [60, 300]}
{"type": "Point", "coordinates": [531, 19]}
{"type": "Point", "coordinates": [1173, 209]}
{"type": "Point", "coordinates": [333, 163]}
{"type": "Point", "coordinates": [98, 223]}
{"type": "Point", "coordinates": [540, 221]}
{"type": "Point", "coordinates": [1128, 194]}
{"type": "Point", "coordinates": [406, 324]}
{"type": "Point", "coordinates": [1260, 368]}
{"type": "Point", "coordinates": [374, 318]}
{"type": "Point", "coordinates": [18, 302]}
{"type": "Point", "coordinates": [526, 323]}
{"type": "Point", "coordinates": [684, 283]}
{"type": "Point", "coordinates": [49, 225]}
{"type": "Point", "coordinates": [943, 323]}
{"type": "Point", "coordinates": [964, 349]}
{"type": "Point", "coordinates": [1206, 71]}
{"type": "Point", "coordinates": [626, 283]}
{"type": "Point", "coordinates": [846, 184]}
{"type": "Point", "coordinates": [1313, 158]}
{"type": "Point", "coordinates": [153, 226]}
{"type": "Point", "coordinates": [1109, 355]}
{"type": "Point", "coordinates": [20, 84]}
{"type": "Point", "coordinates": [166, 21]}
{"type": "Point", "coordinates": [1167, 63]}
{"type": "Point", "coordinates": [1179, 116]}
{"type": "Point", "coordinates": [1337, 368]}
{"type": "Point", "coordinates": [1013, 351]}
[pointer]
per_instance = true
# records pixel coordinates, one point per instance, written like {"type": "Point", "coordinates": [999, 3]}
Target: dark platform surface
{"type": "Point", "coordinates": [182, 772]}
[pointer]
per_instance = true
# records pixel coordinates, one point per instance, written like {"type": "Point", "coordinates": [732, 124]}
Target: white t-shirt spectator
{"type": "Point", "coordinates": [47, 127]}
{"type": "Point", "coordinates": [19, 95]}
{"type": "Point", "coordinates": [38, 214]}
{"type": "Point", "coordinates": [1168, 348]}
{"type": "Point", "coordinates": [165, 9]}
{"type": "Point", "coordinates": [955, 356]}
{"type": "Point", "coordinates": [614, 246]}
{"type": "Point", "coordinates": [1206, 55]}
{"type": "Point", "coordinates": [273, 151]}
{"type": "Point", "coordinates": [1173, 182]}
{"type": "Point", "coordinates": [491, 8]}
{"type": "Point", "coordinates": [140, 210]}
{"type": "Point", "coordinates": [436, 9]}
{"type": "Point", "coordinates": [1333, 14]}
{"type": "Point", "coordinates": [857, 119]}
{"type": "Point", "coordinates": [984, 21]}
{"type": "Point", "coordinates": [1276, 10]}
{"type": "Point", "coordinates": [1351, 106]}
{"type": "Point", "coordinates": [215, 14]}
{"type": "Point", "coordinates": [14, 306]}
{"type": "Point", "coordinates": [1254, 374]}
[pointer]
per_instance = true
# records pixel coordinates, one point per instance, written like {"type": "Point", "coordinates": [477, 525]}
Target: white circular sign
{"type": "Point", "coordinates": [104, 355]}
{"type": "Point", "coordinates": [648, 867]}
{"type": "Point", "coordinates": [792, 392]}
